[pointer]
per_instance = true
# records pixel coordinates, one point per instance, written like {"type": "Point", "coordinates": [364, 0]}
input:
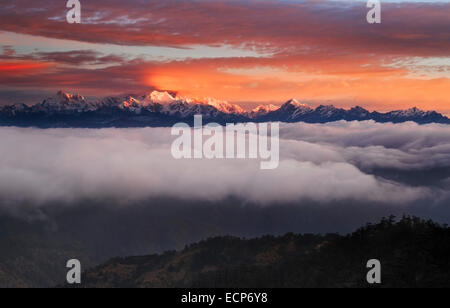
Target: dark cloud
{"type": "Point", "coordinates": [71, 57]}
{"type": "Point", "coordinates": [79, 57]}
{"type": "Point", "coordinates": [108, 80]}
{"type": "Point", "coordinates": [408, 28]}
{"type": "Point", "coordinates": [8, 51]}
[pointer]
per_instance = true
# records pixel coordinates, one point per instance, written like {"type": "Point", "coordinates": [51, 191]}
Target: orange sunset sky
{"type": "Point", "coordinates": [246, 52]}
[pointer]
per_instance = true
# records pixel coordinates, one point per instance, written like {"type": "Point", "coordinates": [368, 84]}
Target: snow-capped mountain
{"type": "Point", "coordinates": [223, 106]}
{"type": "Point", "coordinates": [262, 110]}
{"type": "Point", "coordinates": [162, 108]}
{"type": "Point", "coordinates": [64, 102]}
{"type": "Point", "coordinates": [409, 115]}
{"type": "Point", "coordinates": [288, 112]}
{"type": "Point", "coordinates": [160, 97]}
{"type": "Point", "coordinates": [172, 105]}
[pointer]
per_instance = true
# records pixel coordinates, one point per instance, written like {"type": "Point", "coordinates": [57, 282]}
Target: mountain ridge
{"type": "Point", "coordinates": [162, 109]}
{"type": "Point", "coordinates": [413, 253]}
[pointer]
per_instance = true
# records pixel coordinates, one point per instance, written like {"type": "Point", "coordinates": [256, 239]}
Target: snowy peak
{"type": "Point", "coordinates": [263, 110]}
{"type": "Point", "coordinates": [410, 112]}
{"type": "Point", "coordinates": [181, 109]}
{"type": "Point", "coordinates": [183, 106]}
{"type": "Point", "coordinates": [293, 109]}
{"type": "Point", "coordinates": [67, 97]}
{"type": "Point", "coordinates": [162, 98]}
{"type": "Point", "coordinates": [63, 101]}
{"type": "Point", "coordinates": [359, 110]}
{"type": "Point", "coordinates": [224, 106]}
{"type": "Point", "coordinates": [131, 103]}
{"type": "Point", "coordinates": [266, 108]}
{"type": "Point", "coordinates": [326, 109]}
{"type": "Point", "coordinates": [359, 113]}
{"type": "Point", "coordinates": [293, 103]}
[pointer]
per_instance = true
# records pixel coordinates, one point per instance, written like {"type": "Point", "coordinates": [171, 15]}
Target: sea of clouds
{"type": "Point", "coordinates": [318, 162]}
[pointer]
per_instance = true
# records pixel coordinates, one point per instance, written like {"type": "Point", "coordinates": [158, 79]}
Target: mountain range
{"type": "Point", "coordinates": [162, 109]}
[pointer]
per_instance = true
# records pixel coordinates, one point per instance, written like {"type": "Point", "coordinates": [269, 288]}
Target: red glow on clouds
{"type": "Point", "coordinates": [310, 50]}
{"type": "Point", "coordinates": [20, 66]}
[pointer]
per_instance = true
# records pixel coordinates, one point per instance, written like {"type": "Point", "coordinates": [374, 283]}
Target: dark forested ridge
{"type": "Point", "coordinates": [413, 253]}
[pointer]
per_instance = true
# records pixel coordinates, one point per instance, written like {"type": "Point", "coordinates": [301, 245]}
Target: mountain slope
{"type": "Point", "coordinates": [33, 256]}
{"type": "Point", "coordinates": [163, 109]}
{"type": "Point", "coordinates": [413, 253]}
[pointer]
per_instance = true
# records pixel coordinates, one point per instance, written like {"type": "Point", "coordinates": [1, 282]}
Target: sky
{"type": "Point", "coordinates": [247, 52]}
